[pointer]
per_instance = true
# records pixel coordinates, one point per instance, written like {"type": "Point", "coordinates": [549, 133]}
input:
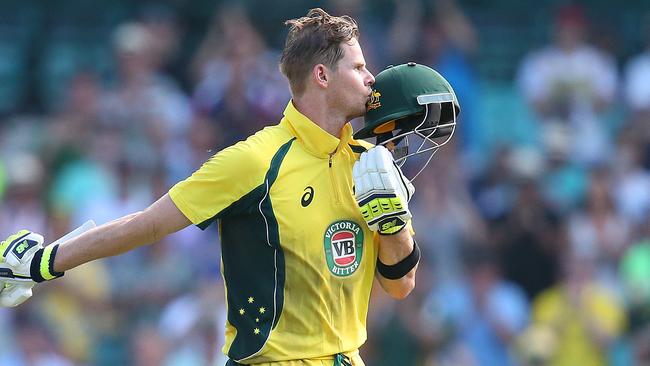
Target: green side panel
{"type": "Point", "coordinates": [245, 205]}
{"type": "Point", "coordinates": [253, 264]}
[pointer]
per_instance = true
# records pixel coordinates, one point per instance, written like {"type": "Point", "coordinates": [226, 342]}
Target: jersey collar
{"type": "Point", "coordinates": [316, 140]}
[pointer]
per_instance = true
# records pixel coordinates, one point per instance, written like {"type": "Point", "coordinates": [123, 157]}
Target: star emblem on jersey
{"type": "Point", "coordinates": [255, 315]}
{"type": "Point", "coordinates": [343, 242]}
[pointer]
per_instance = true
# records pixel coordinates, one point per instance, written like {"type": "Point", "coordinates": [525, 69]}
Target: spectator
{"type": "Point", "coordinates": [145, 105]}
{"type": "Point", "coordinates": [237, 82]}
{"type": "Point", "coordinates": [598, 231]}
{"type": "Point", "coordinates": [24, 200]}
{"type": "Point", "coordinates": [631, 185]}
{"type": "Point", "coordinates": [162, 23]}
{"type": "Point", "coordinates": [637, 77]}
{"type": "Point", "coordinates": [571, 82]}
{"type": "Point", "coordinates": [37, 347]}
{"type": "Point", "coordinates": [485, 312]}
{"type": "Point", "coordinates": [583, 315]}
{"type": "Point", "coordinates": [529, 240]}
{"type": "Point", "coordinates": [447, 216]}
{"type": "Point", "coordinates": [450, 46]}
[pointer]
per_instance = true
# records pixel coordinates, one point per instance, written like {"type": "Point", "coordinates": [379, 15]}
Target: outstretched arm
{"type": "Point", "coordinates": [129, 232]}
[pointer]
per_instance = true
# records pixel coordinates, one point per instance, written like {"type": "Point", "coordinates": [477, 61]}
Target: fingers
{"type": "Point", "coordinates": [365, 175]}
{"type": "Point", "coordinates": [384, 161]}
{"type": "Point", "coordinates": [362, 182]}
{"type": "Point", "coordinates": [373, 170]}
{"type": "Point", "coordinates": [376, 171]}
{"type": "Point", "coordinates": [366, 178]}
{"type": "Point", "coordinates": [356, 177]}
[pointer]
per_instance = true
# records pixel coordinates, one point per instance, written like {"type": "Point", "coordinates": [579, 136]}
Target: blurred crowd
{"type": "Point", "coordinates": [534, 227]}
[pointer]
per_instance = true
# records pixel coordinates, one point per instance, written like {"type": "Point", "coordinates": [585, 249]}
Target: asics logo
{"type": "Point", "coordinates": [307, 197]}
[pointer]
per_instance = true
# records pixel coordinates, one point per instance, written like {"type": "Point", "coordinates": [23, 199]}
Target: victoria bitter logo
{"type": "Point", "coordinates": [343, 242]}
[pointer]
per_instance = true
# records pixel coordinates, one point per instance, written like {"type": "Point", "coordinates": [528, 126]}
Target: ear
{"type": "Point", "coordinates": [320, 74]}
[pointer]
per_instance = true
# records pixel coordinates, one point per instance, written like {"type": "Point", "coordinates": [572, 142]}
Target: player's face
{"type": "Point", "coordinates": [351, 82]}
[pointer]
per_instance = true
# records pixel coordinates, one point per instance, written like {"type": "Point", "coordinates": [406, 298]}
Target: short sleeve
{"type": "Point", "coordinates": [223, 181]}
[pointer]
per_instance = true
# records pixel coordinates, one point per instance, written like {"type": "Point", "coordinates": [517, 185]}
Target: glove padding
{"type": "Point", "coordinates": [24, 262]}
{"type": "Point", "coordinates": [382, 191]}
{"type": "Point", "coordinates": [13, 294]}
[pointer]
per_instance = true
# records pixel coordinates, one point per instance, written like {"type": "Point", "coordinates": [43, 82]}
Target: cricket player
{"type": "Point", "coordinates": [308, 215]}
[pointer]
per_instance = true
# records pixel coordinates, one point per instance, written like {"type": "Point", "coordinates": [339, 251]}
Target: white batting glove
{"type": "Point", "coordinates": [16, 254]}
{"type": "Point", "coordinates": [24, 261]}
{"type": "Point", "coordinates": [382, 191]}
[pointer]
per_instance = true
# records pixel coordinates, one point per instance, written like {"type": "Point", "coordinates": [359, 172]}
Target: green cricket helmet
{"type": "Point", "coordinates": [410, 99]}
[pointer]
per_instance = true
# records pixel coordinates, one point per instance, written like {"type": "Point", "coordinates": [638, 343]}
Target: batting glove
{"type": "Point", "coordinates": [24, 261]}
{"type": "Point", "coordinates": [382, 191]}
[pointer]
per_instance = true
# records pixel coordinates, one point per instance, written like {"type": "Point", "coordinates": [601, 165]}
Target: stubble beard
{"type": "Point", "coordinates": [362, 108]}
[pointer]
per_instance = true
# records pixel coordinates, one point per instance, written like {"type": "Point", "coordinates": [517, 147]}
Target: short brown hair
{"type": "Point", "coordinates": [314, 39]}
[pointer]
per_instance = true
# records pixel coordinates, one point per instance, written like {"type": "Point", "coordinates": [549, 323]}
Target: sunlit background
{"type": "Point", "coordinates": [534, 224]}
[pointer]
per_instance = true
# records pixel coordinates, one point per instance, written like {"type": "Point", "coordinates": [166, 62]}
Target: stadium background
{"type": "Point", "coordinates": [534, 224]}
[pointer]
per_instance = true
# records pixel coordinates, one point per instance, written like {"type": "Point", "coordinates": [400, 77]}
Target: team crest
{"type": "Point", "coordinates": [374, 102]}
{"type": "Point", "coordinates": [343, 247]}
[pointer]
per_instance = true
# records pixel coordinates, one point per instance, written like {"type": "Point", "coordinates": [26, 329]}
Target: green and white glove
{"type": "Point", "coordinates": [26, 257]}
{"type": "Point", "coordinates": [382, 191]}
{"type": "Point", "coordinates": [24, 262]}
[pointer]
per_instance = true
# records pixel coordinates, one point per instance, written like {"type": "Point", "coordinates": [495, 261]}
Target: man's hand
{"type": "Point", "coordinates": [24, 261]}
{"type": "Point", "coordinates": [382, 191]}
{"type": "Point", "coordinates": [16, 256]}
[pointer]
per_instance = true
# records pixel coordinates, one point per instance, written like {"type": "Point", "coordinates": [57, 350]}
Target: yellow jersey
{"type": "Point", "coordinates": [298, 260]}
{"type": "Point", "coordinates": [575, 346]}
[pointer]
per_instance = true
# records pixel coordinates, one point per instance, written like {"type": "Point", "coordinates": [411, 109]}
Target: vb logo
{"type": "Point", "coordinates": [307, 197]}
{"type": "Point", "coordinates": [343, 247]}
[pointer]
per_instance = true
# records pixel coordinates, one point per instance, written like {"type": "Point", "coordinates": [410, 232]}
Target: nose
{"type": "Point", "coordinates": [371, 79]}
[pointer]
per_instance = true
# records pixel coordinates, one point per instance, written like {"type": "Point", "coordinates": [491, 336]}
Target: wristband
{"type": "Point", "coordinates": [42, 266]}
{"type": "Point", "coordinates": [401, 268]}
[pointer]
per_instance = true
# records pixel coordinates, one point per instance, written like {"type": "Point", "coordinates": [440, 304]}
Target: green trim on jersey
{"type": "Point", "coordinates": [238, 207]}
{"type": "Point", "coordinates": [358, 149]}
{"type": "Point", "coordinates": [255, 296]}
